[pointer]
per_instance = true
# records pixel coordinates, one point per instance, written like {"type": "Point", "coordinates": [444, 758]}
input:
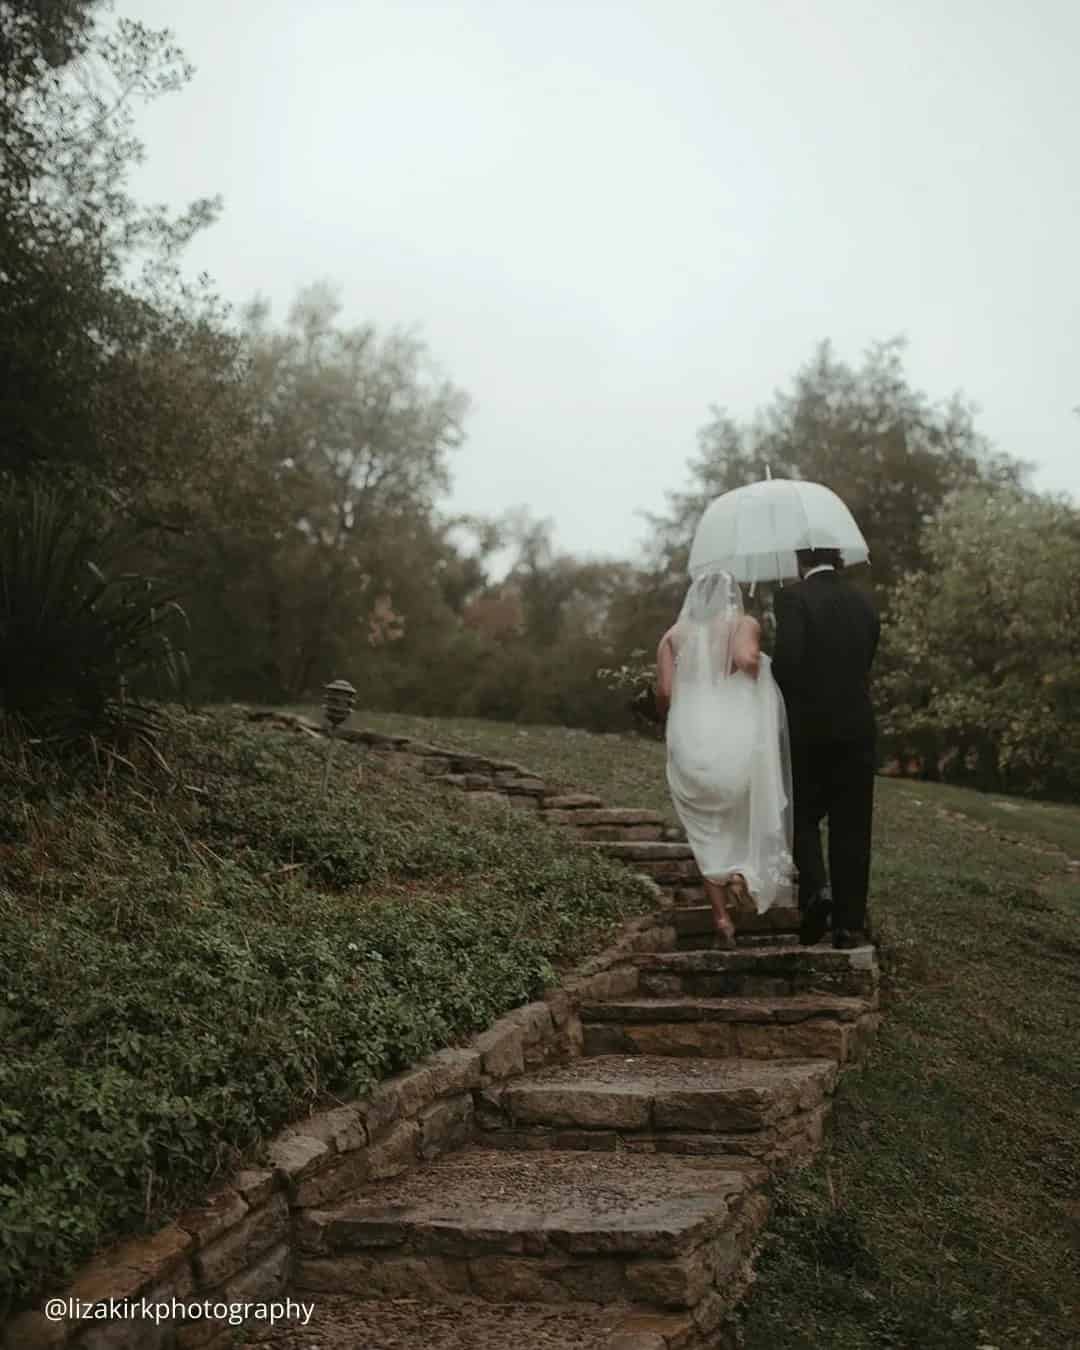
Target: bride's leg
{"type": "Point", "coordinates": [717, 892]}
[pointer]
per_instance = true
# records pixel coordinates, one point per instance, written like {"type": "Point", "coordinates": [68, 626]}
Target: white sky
{"type": "Point", "coordinates": [603, 217]}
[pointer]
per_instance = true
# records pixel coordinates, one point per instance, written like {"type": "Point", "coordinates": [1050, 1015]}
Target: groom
{"type": "Point", "coordinates": [826, 636]}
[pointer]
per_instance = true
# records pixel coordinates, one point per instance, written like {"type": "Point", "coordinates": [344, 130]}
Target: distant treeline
{"type": "Point", "coordinates": [285, 487]}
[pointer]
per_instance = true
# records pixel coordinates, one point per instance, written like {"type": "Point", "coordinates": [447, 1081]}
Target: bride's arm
{"type": "Point", "coordinates": [665, 672]}
{"type": "Point", "coordinates": [746, 646]}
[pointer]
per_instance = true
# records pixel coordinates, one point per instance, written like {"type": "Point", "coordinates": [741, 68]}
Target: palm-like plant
{"type": "Point", "coordinates": [74, 641]}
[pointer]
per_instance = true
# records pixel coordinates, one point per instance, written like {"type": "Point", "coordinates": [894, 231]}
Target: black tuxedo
{"type": "Point", "coordinates": [826, 635]}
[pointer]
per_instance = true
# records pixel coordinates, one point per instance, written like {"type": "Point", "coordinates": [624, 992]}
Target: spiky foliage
{"type": "Point", "coordinates": [82, 650]}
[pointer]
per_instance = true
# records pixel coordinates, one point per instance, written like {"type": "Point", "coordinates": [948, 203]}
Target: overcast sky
{"type": "Point", "coordinates": [605, 217]}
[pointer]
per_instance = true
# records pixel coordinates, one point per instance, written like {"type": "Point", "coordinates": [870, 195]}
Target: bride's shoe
{"type": "Point", "coordinates": [738, 892]}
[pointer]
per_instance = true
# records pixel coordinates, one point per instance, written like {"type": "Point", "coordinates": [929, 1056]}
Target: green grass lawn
{"type": "Point", "coordinates": [945, 1214]}
{"type": "Point", "coordinates": [623, 769]}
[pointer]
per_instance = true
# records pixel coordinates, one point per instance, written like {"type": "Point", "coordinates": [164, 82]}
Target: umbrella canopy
{"type": "Point", "coordinates": [753, 532]}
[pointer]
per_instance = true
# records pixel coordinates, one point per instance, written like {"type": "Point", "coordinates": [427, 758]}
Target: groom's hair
{"type": "Point", "coordinates": [819, 557]}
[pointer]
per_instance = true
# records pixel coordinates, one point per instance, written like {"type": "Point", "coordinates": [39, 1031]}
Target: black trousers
{"type": "Point", "coordinates": [834, 780]}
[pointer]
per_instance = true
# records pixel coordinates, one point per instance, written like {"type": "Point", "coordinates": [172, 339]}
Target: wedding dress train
{"type": "Point", "coordinates": [728, 764]}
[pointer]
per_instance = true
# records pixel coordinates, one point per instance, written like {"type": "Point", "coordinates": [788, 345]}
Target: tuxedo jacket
{"type": "Point", "coordinates": [826, 635]}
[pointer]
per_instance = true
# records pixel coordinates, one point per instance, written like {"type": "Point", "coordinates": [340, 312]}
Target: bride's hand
{"type": "Point", "coordinates": [746, 647]}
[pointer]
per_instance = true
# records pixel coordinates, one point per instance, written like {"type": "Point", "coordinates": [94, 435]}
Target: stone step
{"type": "Point", "coordinates": [555, 1227]}
{"type": "Point", "coordinates": [769, 1110]}
{"type": "Point", "coordinates": [658, 851]}
{"type": "Point", "coordinates": [759, 971]}
{"type": "Point", "coordinates": [474, 1324]}
{"type": "Point", "coordinates": [709, 943]}
{"type": "Point", "coordinates": [590, 834]}
{"type": "Point", "coordinates": [571, 801]}
{"type": "Point", "coordinates": [601, 815]}
{"type": "Point", "coordinates": [800, 1026]}
{"type": "Point", "coordinates": [690, 903]}
{"type": "Point", "coordinates": [694, 928]}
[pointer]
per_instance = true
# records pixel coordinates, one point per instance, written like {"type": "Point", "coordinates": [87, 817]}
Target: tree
{"type": "Point", "coordinates": [468, 542]}
{"type": "Point", "coordinates": [543, 630]}
{"type": "Point", "coordinates": [353, 434]}
{"type": "Point", "coordinates": [122, 391]}
{"type": "Point", "coordinates": [891, 454]}
{"type": "Point", "coordinates": [559, 593]}
{"type": "Point", "coordinates": [981, 659]}
{"type": "Point", "coordinates": [70, 234]}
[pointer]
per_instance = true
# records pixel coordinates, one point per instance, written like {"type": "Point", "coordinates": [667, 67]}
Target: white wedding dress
{"type": "Point", "coordinates": [728, 764]}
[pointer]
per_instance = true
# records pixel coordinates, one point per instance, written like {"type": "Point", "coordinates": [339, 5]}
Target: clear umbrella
{"type": "Point", "coordinates": [753, 532]}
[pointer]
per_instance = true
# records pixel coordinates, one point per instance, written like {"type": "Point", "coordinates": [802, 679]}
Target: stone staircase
{"type": "Point", "coordinates": [611, 1201]}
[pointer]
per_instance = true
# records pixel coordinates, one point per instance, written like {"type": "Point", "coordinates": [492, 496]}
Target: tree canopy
{"type": "Point", "coordinates": [71, 235]}
{"type": "Point", "coordinates": [882, 446]}
{"type": "Point", "coordinates": [981, 662]}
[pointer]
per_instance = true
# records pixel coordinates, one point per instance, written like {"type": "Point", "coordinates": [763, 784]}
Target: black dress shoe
{"type": "Point", "coordinates": [845, 939]}
{"type": "Point", "coordinates": [815, 917]}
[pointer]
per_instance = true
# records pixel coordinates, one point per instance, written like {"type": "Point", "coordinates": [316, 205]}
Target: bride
{"type": "Point", "coordinates": [729, 763]}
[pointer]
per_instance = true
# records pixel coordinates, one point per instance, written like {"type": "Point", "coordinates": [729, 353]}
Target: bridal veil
{"type": "Point", "coordinates": [729, 761]}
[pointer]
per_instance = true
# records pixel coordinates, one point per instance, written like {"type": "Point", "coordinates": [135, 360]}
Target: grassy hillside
{"type": "Point", "coordinates": [945, 1214]}
{"type": "Point", "coordinates": [623, 769]}
{"type": "Point", "coordinates": [193, 957]}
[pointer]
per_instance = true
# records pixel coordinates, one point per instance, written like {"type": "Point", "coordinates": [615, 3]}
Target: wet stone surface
{"type": "Point", "coordinates": [794, 1008]}
{"type": "Point", "coordinates": [632, 1094]}
{"type": "Point", "coordinates": [343, 1323]}
{"type": "Point", "coordinates": [532, 1202]}
{"type": "Point", "coordinates": [654, 1074]}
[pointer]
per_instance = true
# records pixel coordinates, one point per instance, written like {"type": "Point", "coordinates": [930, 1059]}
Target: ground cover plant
{"type": "Point", "coordinates": [192, 958]}
{"type": "Point", "coordinates": [943, 1215]}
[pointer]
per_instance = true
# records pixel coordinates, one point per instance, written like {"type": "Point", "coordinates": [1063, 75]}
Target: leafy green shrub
{"type": "Point", "coordinates": [636, 680]}
{"type": "Point", "coordinates": [980, 664]}
{"type": "Point", "coordinates": [190, 964]}
{"type": "Point", "coordinates": [75, 641]}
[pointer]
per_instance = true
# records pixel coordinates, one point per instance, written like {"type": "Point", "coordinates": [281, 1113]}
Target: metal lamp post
{"type": "Point", "coordinates": [338, 704]}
